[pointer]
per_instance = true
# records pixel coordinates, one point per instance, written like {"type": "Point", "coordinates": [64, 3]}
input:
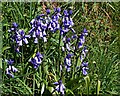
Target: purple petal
{"type": "Point", "coordinates": [25, 40]}
{"type": "Point", "coordinates": [56, 83]}
{"type": "Point", "coordinates": [20, 43]}
{"type": "Point", "coordinates": [36, 40]}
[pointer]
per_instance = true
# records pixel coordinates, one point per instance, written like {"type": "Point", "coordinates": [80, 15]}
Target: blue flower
{"type": "Point", "coordinates": [70, 12]}
{"type": "Point", "coordinates": [48, 11]}
{"type": "Point", "coordinates": [82, 38]}
{"type": "Point", "coordinates": [37, 60]}
{"type": "Point", "coordinates": [85, 68]}
{"type": "Point", "coordinates": [39, 26]}
{"type": "Point", "coordinates": [83, 54]}
{"type": "Point", "coordinates": [67, 62]}
{"type": "Point", "coordinates": [85, 32]}
{"type": "Point", "coordinates": [10, 70]}
{"type": "Point", "coordinates": [58, 9]}
{"type": "Point", "coordinates": [20, 37]}
{"type": "Point", "coordinates": [17, 49]}
{"type": "Point", "coordinates": [67, 22]}
{"type": "Point", "coordinates": [14, 27]}
{"type": "Point", "coordinates": [82, 41]}
{"type": "Point", "coordinates": [60, 87]}
{"type": "Point", "coordinates": [10, 62]}
{"type": "Point", "coordinates": [84, 64]}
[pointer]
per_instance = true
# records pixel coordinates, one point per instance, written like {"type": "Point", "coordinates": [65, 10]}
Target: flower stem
{"type": "Point", "coordinates": [59, 61]}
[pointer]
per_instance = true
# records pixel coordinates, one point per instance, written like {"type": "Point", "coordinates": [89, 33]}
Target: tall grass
{"type": "Point", "coordinates": [101, 21]}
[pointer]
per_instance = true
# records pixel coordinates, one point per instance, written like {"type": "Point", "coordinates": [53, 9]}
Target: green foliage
{"type": "Point", "coordinates": [102, 22]}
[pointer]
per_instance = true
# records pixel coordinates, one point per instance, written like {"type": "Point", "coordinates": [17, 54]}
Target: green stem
{"type": "Point", "coordinates": [31, 11]}
{"type": "Point", "coordinates": [73, 73]}
{"type": "Point", "coordinates": [33, 84]}
{"type": "Point", "coordinates": [59, 61]}
{"type": "Point", "coordinates": [22, 57]}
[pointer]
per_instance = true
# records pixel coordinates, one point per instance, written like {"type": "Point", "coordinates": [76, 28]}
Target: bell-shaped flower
{"type": "Point", "coordinates": [84, 68]}
{"type": "Point", "coordinates": [10, 70]}
{"type": "Point", "coordinates": [21, 37]}
{"type": "Point", "coordinates": [37, 60]}
{"type": "Point", "coordinates": [10, 62]}
{"type": "Point", "coordinates": [67, 61]}
{"type": "Point", "coordinates": [60, 87]}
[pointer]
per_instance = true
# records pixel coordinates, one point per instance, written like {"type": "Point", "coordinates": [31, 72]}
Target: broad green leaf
{"type": "Point", "coordinates": [98, 87]}
{"type": "Point", "coordinates": [5, 48]}
{"type": "Point", "coordinates": [68, 90]}
{"type": "Point", "coordinates": [87, 81]}
{"type": "Point", "coordinates": [112, 92]}
{"type": "Point", "coordinates": [51, 89]}
{"type": "Point", "coordinates": [43, 88]}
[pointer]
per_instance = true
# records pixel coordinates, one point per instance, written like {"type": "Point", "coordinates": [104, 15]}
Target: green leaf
{"type": "Point", "coordinates": [24, 85]}
{"type": "Point", "coordinates": [98, 87]}
{"type": "Point", "coordinates": [43, 88]}
{"type": "Point", "coordinates": [87, 81]}
{"type": "Point", "coordinates": [68, 90]}
{"type": "Point", "coordinates": [112, 92]}
{"type": "Point", "coordinates": [51, 89]}
{"type": "Point", "coordinates": [78, 62]}
{"type": "Point", "coordinates": [5, 48]}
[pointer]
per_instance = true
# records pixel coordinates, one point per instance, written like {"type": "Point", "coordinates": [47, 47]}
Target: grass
{"type": "Point", "coordinates": [101, 21]}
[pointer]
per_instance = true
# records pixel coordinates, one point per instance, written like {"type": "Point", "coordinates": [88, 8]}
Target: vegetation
{"type": "Point", "coordinates": [102, 23]}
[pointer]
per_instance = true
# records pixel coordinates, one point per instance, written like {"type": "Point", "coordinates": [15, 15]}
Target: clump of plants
{"type": "Point", "coordinates": [51, 50]}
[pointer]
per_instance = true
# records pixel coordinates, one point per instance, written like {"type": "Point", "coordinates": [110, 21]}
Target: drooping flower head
{"type": "Point", "coordinates": [39, 26]}
{"type": "Point", "coordinates": [60, 87]}
{"type": "Point", "coordinates": [21, 37]}
{"type": "Point", "coordinates": [37, 60]}
{"type": "Point", "coordinates": [82, 38]}
{"type": "Point", "coordinates": [10, 62]}
{"type": "Point", "coordinates": [11, 69]}
{"type": "Point", "coordinates": [85, 68]}
{"type": "Point", "coordinates": [67, 62]}
{"type": "Point", "coordinates": [48, 11]}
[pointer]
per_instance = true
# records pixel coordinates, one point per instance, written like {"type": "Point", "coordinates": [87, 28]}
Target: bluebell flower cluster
{"type": "Point", "coordinates": [38, 29]}
{"type": "Point", "coordinates": [83, 54]}
{"type": "Point", "coordinates": [81, 42]}
{"type": "Point", "coordinates": [60, 87]}
{"type": "Point", "coordinates": [21, 37]}
{"type": "Point", "coordinates": [43, 23]}
{"type": "Point", "coordinates": [82, 38]}
{"type": "Point", "coordinates": [70, 48]}
{"type": "Point", "coordinates": [18, 36]}
{"type": "Point", "coordinates": [37, 60]}
{"type": "Point", "coordinates": [67, 22]}
{"type": "Point", "coordinates": [54, 21]}
{"type": "Point", "coordinates": [67, 62]}
{"type": "Point", "coordinates": [11, 69]}
{"type": "Point", "coordinates": [67, 44]}
{"type": "Point", "coordinates": [84, 68]}
{"type": "Point", "coordinates": [84, 64]}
